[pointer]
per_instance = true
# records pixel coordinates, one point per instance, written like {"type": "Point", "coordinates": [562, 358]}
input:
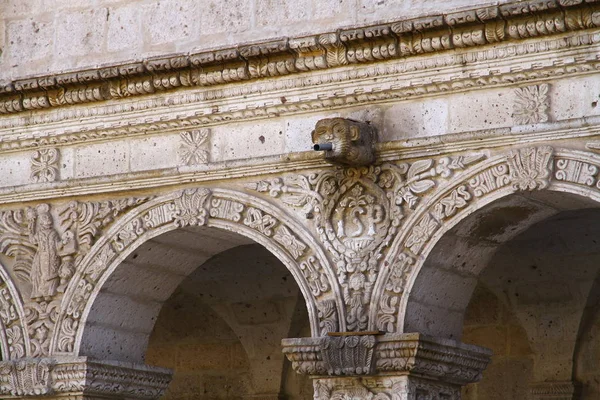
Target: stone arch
{"type": "Point", "coordinates": [221, 209]}
{"type": "Point", "coordinates": [521, 170]}
{"type": "Point", "coordinates": [14, 337]}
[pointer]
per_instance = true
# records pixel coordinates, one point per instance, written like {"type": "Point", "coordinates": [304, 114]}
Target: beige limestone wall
{"type": "Point", "coordinates": [491, 324]}
{"type": "Point", "coordinates": [42, 36]}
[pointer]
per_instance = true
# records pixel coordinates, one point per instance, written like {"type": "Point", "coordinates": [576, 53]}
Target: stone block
{"type": "Point", "coordinates": [124, 28]}
{"type": "Point", "coordinates": [13, 9]}
{"type": "Point", "coordinates": [479, 110]}
{"type": "Point", "coordinates": [14, 170]}
{"type": "Point", "coordinates": [144, 282]}
{"type": "Point", "coordinates": [168, 21]}
{"type": "Point", "coordinates": [28, 40]}
{"type": "Point", "coordinates": [154, 153]}
{"type": "Point", "coordinates": [80, 32]}
{"type": "Point", "coordinates": [124, 312]}
{"type": "Point", "coordinates": [241, 141]}
{"type": "Point", "coordinates": [101, 159]}
{"type": "Point", "coordinates": [298, 132]}
{"type": "Point", "coordinates": [202, 356]}
{"type": "Point", "coordinates": [108, 343]}
{"type": "Point", "coordinates": [171, 259]}
{"type": "Point", "coordinates": [415, 119]}
{"type": "Point", "coordinates": [224, 17]}
{"type": "Point", "coordinates": [575, 98]}
{"type": "Point", "coordinates": [490, 336]}
{"type": "Point", "coordinates": [274, 14]}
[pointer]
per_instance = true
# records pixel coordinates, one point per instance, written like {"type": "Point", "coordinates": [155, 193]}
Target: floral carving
{"type": "Point", "coordinates": [531, 104]}
{"type": "Point", "coordinates": [530, 168]}
{"type": "Point", "coordinates": [357, 211]}
{"type": "Point", "coordinates": [189, 207]}
{"type": "Point", "coordinates": [44, 165]}
{"type": "Point", "coordinates": [194, 147]}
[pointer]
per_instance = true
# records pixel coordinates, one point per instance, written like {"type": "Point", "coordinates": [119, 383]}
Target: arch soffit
{"type": "Point", "coordinates": [219, 208]}
{"type": "Point", "coordinates": [519, 170]}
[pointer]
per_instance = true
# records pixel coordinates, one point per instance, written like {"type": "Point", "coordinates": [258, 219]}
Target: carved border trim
{"type": "Point", "coordinates": [81, 376]}
{"type": "Point", "coordinates": [561, 170]}
{"type": "Point", "coordinates": [400, 39]}
{"type": "Point", "coordinates": [225, 209]}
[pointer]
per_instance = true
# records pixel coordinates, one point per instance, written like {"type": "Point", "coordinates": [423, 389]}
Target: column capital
{"type": "Point", "coordinates": [81, 378]}
{"type": "Point", "coordinates": [390, 354]}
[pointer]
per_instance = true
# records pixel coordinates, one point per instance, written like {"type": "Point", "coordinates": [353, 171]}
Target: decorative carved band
{"type": "Point", "coordinates": [426, 356]}
{"type": "Point", "coordinates": [475, 27]}
{"type": "Point", "coordinates": [81, 376]}
{"type": "Point", "coordinates": [554, 390]}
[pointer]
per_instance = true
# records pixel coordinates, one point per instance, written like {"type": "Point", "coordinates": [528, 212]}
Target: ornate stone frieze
{"type": "Point", "coordinates": [81, 376]}
{"type": "Point", "coordinates": [442, 359]}
{"type": "Point", "coordinates": [44, 165]}
{"type": "Point", "coordinates": [357, 212]}
{"type": "Point", "coordinates": [469, 28]}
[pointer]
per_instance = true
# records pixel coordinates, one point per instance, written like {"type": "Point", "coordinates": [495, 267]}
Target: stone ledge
{"type": "Point", "coordinates": [400, 39]}
{"type": "Point", "coordinates": [78, 376]}
{"type": "Point", "coordinates": [412, 353]}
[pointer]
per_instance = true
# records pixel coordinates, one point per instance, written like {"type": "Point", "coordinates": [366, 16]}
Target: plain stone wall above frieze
{"type": "Point", "coordinates": [42, 36]}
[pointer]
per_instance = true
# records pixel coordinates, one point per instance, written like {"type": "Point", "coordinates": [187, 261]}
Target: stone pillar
{"type": "Point", "coordinates": [80, 378]}
{"type": "Point", "coordinates": [386, 367]}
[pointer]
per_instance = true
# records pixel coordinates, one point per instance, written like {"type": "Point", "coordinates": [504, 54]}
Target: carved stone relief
{"type": "Point", "coordinates": [78, 376]}
{"type": "Point", "coordinates": [44, 165]}
{"type": "Point", "coordinates": [46, 245]}
{"type": "Point", "coordinates": [358, 211]}
{"type": "Point", "coordinates": [525, 169]}
{"type": "Point", "coordinates": [194, 148]}
{"type": "Point", "coordinates": [531, 104]}
{"type": "Point", "coordinates": [198, 207]}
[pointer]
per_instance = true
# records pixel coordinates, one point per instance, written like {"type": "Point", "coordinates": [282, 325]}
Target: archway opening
{"type": "Point", "coordinates": [212, 305]}
{"type": "Point", "coordinates": [514, 276]}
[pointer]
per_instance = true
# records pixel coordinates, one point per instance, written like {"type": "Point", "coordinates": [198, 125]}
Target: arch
{"type": "Point", "coordinates": [14, 336]}
{"type": "Point", "coordinates": [217, 208]}
{"type": "Point", "coordinates": [520, 170]}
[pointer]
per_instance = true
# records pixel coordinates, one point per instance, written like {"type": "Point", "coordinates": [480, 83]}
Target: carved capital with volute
{"type": "Point", "coordinates": [386, 367]}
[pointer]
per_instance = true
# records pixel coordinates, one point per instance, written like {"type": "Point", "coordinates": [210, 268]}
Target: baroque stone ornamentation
{"type": "Point", "coordinates": [351, 142]}
{"type": "Point", "coordinates": [47, 246]}
{"type": "Point", "coordinates": [464, 29]}
{"type": "Point", "coordinates": [203, 207]}
{"type": "Point", "coordinates": [358, 211]}
{"type": "Point", "coordinates": [531, 104]}
{"type": "Point", "coordinates": [79, 376]}
{"type": "Point", "coordinates": [44, 165]}
{"type": "Point", "coordinates": [194, 147]}
{"type": "Point", "coordinates": [524, 169]}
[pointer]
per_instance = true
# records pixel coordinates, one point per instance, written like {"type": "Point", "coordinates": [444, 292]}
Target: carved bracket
{"type": "Point", "coordinates": [345, 141]}
{"type": "Point", "coordinates": [79, 376]}
{"type": "Point", "coordinates": [440, 359]}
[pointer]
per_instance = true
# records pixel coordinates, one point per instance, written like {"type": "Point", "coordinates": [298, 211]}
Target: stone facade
{"type": "Point", "coordinates": [376, 183]}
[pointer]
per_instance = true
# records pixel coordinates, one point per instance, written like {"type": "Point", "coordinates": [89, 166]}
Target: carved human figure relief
{"type": "Point", "coordinates": [46, 261]}
{"type": "Point", "coordinates": [44, 165]}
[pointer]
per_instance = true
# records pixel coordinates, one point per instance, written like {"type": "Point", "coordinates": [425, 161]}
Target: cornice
{"type": "Point", "coordinates": [577, 133]}
{"type": "Point", "coordinates": [402, 39]}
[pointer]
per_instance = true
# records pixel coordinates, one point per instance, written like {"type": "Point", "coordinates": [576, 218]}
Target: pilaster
{"type": "Point", "coordinates": [80, 378]}
{"type": "Point", "coordinates": [386, 367]}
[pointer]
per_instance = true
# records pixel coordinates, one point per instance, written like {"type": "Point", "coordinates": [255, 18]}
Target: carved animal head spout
{"type": "Point", "coordinates": [345, 141]}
